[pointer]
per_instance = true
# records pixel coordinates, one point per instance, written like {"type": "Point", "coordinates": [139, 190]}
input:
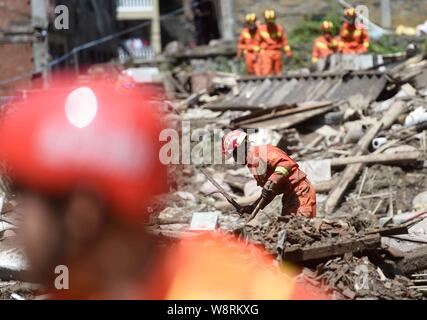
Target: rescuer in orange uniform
{"type": "Point", "coordinates": [248, 45]}
{"type": "Point", "coordinates": [273, 42]}
{"type": "Point", "coordinates": [354, 36]}
{"type": "Point", "coordinates": [326, 44]}
{"type": "Point", "coordinates": [84, 169]}
{"type": "Point", "coordinates": [276, 172]}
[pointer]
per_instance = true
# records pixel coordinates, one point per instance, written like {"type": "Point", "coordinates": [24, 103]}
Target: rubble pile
{"type": "Point", "coordinates": [360, 137]}
{"type": "Point", "coordinates": [386, 189]}
{"type": "Point", "coordinates": [350, 277]}
{"type": "Point", "coordinates": [302, 232]}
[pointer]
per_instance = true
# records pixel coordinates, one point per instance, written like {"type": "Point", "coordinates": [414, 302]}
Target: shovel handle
{"type": "Point", "coordinates": [257, 210]}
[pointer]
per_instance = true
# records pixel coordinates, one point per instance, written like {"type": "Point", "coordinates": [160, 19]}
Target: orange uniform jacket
{"type": "Point", "coordinates": [354, 38]}
{"type": "Point", "coordinates": [269, 163]}
{"type": "Point", "coordinates": [273, 43]}
{"type": "Point", "coordinates": [247, 42]}
{"type": "Point", "coordinates": [208, 267]}
{"type": "Point", "coordinates": [323, 47]}
{"type": "Point", "coordinates": [273, 38]}
{"type": "Point", "coordinates": [248, 45]}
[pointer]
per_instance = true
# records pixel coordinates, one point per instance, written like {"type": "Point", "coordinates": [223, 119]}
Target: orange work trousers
{"type": "Point", "coordinates": [271, 62]}
{"type": "Point", "coordinates": [252, 63]}
{"type": "Point", "coordinates": [299, 200]}
{"type": "Point", "coordinates": [351, 48]}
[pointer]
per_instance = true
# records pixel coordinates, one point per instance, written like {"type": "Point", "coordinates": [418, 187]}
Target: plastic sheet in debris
{"type": "Point", "coordinates": [317, 170]}
{"type": "Point", "coordinates": [417, 116]}
{"type": "Point", "coordinates": [205, 221]}
{"type": "Point", "coordinates": [265, 136]}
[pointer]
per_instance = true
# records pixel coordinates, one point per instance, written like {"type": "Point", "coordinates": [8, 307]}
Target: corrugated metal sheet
{"type": "Point", "coordinates": [260, 93]}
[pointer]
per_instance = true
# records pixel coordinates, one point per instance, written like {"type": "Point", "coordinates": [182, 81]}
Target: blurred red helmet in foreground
{"type": "Point", "coordinates": [88, 136]}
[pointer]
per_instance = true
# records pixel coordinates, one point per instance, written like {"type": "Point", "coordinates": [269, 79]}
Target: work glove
{"type": "Point", "coordinates": [268, 192]}
{"type": "Point", "coordinates": [247, 209]}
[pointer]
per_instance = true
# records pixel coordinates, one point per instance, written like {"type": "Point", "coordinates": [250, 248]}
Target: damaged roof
{"type": "Point", "coordinates": [261, 93]}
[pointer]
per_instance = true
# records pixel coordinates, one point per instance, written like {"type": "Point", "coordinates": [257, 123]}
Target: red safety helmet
{"type": "Point", "coordinates": [89, 136]}
{"type": "Point", "coordinates": [232, 141]}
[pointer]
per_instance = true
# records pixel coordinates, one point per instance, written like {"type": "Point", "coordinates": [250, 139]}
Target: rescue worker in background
{"type": "Point", "coordinates": [326, 44]}
{"type": "Point", "coordinates": [354, 36]}
{"type": "Point", "coordinates": [248, 46]}
{"type": "Point", "coordinates": [275, 172]}
{"type": "Point", "coordinates": [84, 169]}
{"type": "Point", "coordinates": [273, 43]}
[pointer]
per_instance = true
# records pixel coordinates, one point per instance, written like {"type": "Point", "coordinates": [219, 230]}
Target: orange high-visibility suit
{"type": "Point", "coordinates": [354, 38]}
{"type": "Point", "coordinates": [248, 46]}
{"type": "Point", "coordinates": [208, 267]}
{"type": "Point", "coordinates": [269, 163]}
{"type": "Point", "coordinates": [324, 46]}
{"type": "Point", "coordinates": [273, 42]}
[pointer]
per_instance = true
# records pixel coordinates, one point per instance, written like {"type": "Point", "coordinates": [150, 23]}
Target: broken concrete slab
{"type": "Point", "coordinates": [317, 170]}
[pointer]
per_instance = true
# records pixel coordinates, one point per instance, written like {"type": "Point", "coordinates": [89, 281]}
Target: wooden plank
{"type": "Point", "coordinates": [377, 158]}
{"type": "Point", "coordinates": [279, 112]}
{"type": "Point", "coordinates": [285, 122]}
{"type": "Point", "coordinates": [394, 112]}
{"type": "Point", "coordinates": [369, 242]}
{"type": "Point", "coordinates": [325, 186]}
{"type": "Point", "coordinates": [392, 231]}
{"type": "Point", "coordinates": [351, 171]}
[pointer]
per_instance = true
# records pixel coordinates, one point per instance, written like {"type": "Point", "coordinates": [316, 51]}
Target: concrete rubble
{"type": "Point", "coordinates": [364, 147]}
{"type": "Point", "coordinates": [361, 136]}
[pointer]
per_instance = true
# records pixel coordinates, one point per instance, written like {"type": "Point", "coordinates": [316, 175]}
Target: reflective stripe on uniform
{"type": "Point", "coordinates": [265, 35]}
{"type": "Point", "coordinates": [287, 48]}
{"type": "Point", "coordinates": [321, 45]}
{"type": "Point", "coordinates": [366, 44]}
{"type": "Point", "coordinates": [282, 171]}
{"type": "Point", "coordinates": [247, 35]}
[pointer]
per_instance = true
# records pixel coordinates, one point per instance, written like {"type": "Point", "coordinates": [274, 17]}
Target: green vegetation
{"type": "Point", "coordinates": [388, 44]}
{"type": "Point", "coordinates": [302, 36]}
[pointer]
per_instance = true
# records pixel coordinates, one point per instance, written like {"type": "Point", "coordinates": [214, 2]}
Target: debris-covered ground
{"type": "Point", "coordinates": [349, 277]}
{"type": "Point", "coordinates": [360, 137]}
